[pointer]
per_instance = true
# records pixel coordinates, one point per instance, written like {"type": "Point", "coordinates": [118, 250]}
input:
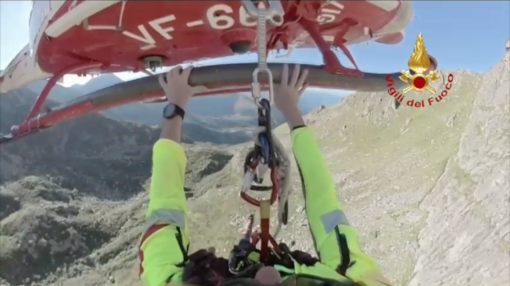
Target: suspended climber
{"type": "Point", "coordinates": [163, 252]}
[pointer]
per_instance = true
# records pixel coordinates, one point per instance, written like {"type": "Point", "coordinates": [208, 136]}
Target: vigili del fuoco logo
{"type": "Point", "coordinates": [419, 76]}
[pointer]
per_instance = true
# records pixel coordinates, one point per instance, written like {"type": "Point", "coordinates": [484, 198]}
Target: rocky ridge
{"type": "Point", "coordinates": [425, 187]}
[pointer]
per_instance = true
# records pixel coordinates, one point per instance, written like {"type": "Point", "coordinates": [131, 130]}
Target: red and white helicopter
{"type": "Point", "coordinates": [94, 37]}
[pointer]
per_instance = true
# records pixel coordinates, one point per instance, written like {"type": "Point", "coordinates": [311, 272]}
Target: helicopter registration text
{"type": "Point", "coordinates": [330, 12]}
{"type": "Point", "coordinates": [218, 17]}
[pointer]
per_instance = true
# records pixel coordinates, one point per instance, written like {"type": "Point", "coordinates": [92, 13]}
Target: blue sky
{"type": "Point", "coordinates": [460, 34]}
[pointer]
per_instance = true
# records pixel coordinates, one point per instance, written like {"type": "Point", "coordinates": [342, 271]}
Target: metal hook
{"type": "Point", "coordinates": [255, 86]}
{"type": "Point", "coordinates": [274, 14]}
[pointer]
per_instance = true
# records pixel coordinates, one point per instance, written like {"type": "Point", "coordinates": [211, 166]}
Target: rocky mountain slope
{"type": "Point", "coordinates": [15, 105]}
{"type": "Point", "coordinates": [221, 112]}
{"type": "Point", "coordinates": [228, 114]}
{"type": "Point", "coordinates": [427, 188]}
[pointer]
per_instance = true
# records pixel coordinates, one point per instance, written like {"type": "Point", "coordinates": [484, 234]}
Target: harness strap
{"type": "Point", "coordinates": [184, 252]}
{"type": "Point", "coordinates": [205, 269]}
{"type": "Point", "coordinates": [344, 252]}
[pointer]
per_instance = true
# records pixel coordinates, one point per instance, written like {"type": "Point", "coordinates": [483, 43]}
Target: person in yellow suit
{"type": "Point", "coordinates": [163, 250]}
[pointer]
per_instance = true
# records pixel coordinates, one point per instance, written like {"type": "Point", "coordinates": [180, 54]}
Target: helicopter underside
{"type": "Point", "coordinates": [94, 37]}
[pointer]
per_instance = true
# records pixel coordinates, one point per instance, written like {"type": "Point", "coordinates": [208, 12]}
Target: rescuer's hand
{"type": "Point", "coordinates": [290, 89]}
{"type": "Point", "coordinates": [176, 87]}
{"type": "Point", "coordinates": [288, 93]}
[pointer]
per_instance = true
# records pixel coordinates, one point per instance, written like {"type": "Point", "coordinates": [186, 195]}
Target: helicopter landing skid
{"type": "Point", "coordinates": [218, 79]}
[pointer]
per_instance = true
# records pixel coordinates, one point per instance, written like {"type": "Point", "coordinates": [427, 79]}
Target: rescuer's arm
{"type": "Point", "coordinates": [165, 243]}
{"type": "Point", "coordinates": [334, 238]}
{"type": "Point", "coordinates": [163, 249]}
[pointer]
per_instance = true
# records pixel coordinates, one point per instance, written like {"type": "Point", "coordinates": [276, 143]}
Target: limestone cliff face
{"type": "Point", "coordinates": [466, 238]}
{"type": "Point", "coordinates": [427, 188]}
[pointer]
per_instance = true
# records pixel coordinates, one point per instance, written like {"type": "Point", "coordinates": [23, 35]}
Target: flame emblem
{"type": "Point", "coordinates": [419, 63]}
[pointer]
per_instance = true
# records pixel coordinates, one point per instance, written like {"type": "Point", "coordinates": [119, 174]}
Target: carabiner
{"type": "Point", "coordinates": [255, 86]}
{"type": "Point", "coordinates": [263, 15]}
{"type": "Point", "coordinates": [248, 179]}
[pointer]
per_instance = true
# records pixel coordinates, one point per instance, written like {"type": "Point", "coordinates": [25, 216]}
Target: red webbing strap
{"type": "Point", "coordinates": [265, 215]}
